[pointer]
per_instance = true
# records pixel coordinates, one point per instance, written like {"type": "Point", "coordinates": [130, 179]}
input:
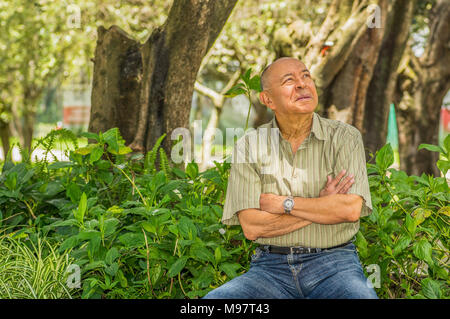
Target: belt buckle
{"type": "Point", "coordinates": [298, 250]}
{"type": "Point", "coordinates": [304, 250]}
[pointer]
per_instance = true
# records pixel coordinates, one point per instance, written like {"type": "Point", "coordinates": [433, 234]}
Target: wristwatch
{"type": "Point", "coordinates": [288, 204]}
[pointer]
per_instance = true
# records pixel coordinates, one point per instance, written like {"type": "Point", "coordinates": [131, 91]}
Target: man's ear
{"type": "Point", "coordinates": [265, 99]}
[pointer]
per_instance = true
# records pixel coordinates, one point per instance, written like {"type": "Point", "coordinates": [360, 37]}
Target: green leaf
{"type": "Point", "coordinates": [230, 269]}
{"type": "Point", "coordinates": [155, 273]}
{"type": "Point", "coordinates": [90, 135]}
{"type": "Point", "coordinates": [431, 288]}
{"type": "Point", "coordinates": [111, 255]}
{"type": "Point", "coordinates": [410, 224]}
{"type": "Point", "coordinates": [149, 227]}
{"type": "Point", "coordinates": [440, 272]}
{"type": "Point", "coordinates": [443, 166]}
{"type": "Point", "coordinates": [86, 150]}
{"type": "Point", "coordinates": [255, 83]}
{"type": "Point", "coordinates": [61, 164]}
{"type": "Point", "coordinates": [94, 265]}
{"type": "Point", "coordinates": [201, 253]}
{"type": "Point", "coordinates": [131, 240]}
{"type": "Point", "coordinates": [385, 157]}
{"type": "Point", "coordinates": [402, 243]}
{"type": "Point", "coordinates": [79, 214]}
{"type": "Point", "coordinates": [423, 250]}
{"type": "Point", "coordinates": [187, 228]}
{"type": "Point", "coordinates": [444, 210]}
{"type": "Point", "coordinates": [112, 138]}
{"type": "Point", "coordinates": [73, 192]}
{"type": "Point", "coordinates": [69, 243]}
{"type": "Point", "coordinates": [217, 255]}
{"type": "Point", "coordinates": [246, 76]}
{"type": "Point", "coordinates": [173, 229]}
{"type": "Point", "coordinates": [110, 226]}
{"type": "Point", "coordinates": [361, 243]}
{"type": "Point", "coordinates": [192, 170]}
{"type": "Point", "coordinates": [68, 222]}
{"type": "Point", "coordinates": [388, 250]}
{"type": "Point", "coordinates": [88, 235]}
{"type": "Point", "coordinates": [433, 148]}
{"type": "Point", "coordinates": [177, 267]}
{"type": "Point", "coordinates": [447, 146]}
{"type": "Point", "coordinates": [96, 154]}
{"type": "Point", "coordinates": [235, 91]}
{"type": "Point", "coordinates": [121, 151]}
{"type": "Point", "coordinates": [112, 269]}
{"type": "Point", "coordinates": [11, 181]}
{"type": "Point", "coordinates": [122, 279]}
{"type": "Point", "coordinates": [420, 214]}
{"type": "Point", "coordinates": [204, 280]}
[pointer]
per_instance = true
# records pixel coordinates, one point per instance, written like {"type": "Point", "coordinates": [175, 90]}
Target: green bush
{"type": "Point", "coordinates": [407, 235]}
{"type": "Point", "coordinates": [142, 230]}
{"type": "Point", "coordinates": [135, 231]}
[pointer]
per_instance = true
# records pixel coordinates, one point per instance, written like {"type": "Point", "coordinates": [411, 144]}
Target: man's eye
{"type": "Point", "coordinates": [306, 75]}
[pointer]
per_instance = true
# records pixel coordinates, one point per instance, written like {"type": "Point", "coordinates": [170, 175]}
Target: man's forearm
{"type": "Point", "coordinates": [258, 223]}
{"type": "Point", "coordinates": [332, 209]}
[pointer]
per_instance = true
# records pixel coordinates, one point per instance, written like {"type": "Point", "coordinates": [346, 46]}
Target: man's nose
{"type": "Point", "coordinates": [300, 83]}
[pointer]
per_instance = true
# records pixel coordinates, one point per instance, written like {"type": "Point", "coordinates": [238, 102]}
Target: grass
{"type": "Point", "coordinates": [32, 271]}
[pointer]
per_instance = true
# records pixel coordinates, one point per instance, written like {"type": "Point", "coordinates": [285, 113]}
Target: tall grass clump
{"type": "Point", "coordinates": [32, 271]}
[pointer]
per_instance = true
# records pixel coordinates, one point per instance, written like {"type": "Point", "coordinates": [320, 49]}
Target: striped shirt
{"type": "Point", "coordinates": [263, 162]}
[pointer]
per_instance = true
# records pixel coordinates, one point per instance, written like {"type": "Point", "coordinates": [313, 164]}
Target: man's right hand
{"type": "Point", "coordinates": [335, 186]}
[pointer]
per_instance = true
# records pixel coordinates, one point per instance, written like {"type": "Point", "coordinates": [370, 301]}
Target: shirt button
{"type": "Point", "coordinates": [295, 175]}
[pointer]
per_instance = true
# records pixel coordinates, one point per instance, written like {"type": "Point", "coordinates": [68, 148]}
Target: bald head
{"type": "Point", "coordinates": [265, 75]}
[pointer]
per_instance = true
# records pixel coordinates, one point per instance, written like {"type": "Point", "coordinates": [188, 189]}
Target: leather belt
{"type": "Point", "coordinates": [297, 249]}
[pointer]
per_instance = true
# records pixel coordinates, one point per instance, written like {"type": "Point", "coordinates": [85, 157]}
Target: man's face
{"type": "Point", "coordinates": [290, 88]}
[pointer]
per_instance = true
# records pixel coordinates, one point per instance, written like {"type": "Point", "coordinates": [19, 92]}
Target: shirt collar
{"type": "Point", "coordinates": [317, 126]}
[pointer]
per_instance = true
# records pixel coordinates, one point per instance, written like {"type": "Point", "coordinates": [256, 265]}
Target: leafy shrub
{"type": "Point", "coordinates": [135, 231]}
{"type": "Point", "coordinates": [407, 235]}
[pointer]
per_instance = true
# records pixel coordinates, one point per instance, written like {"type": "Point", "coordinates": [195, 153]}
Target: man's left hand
{"type": "Point", "coordinates": [272, 203]}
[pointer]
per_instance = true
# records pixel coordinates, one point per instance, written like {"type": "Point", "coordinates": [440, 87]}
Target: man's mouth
{"type": "Point", "coordinates": [304, 97]}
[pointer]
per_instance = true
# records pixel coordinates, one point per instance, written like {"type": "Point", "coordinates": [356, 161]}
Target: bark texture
{"type": "Point", "coordinates": [382, 85]}
{"type": "Point", "coordinates": [421, 88]}
{"type": "Point", "coordinates": [146, 89]}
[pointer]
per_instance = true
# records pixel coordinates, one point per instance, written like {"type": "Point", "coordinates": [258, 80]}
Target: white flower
{"type": "Point", "coordinates": [222, 231]}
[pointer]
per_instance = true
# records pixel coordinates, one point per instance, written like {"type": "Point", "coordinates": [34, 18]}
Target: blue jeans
{"type": "Point", "coordinates": [334, 273]}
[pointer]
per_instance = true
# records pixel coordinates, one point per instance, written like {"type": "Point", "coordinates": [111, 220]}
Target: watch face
{"type": "Point", "coordinates": [288, 204]}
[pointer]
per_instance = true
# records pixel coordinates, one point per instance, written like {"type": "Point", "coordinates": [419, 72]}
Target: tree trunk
{"type": "Point", "coordinates": [382, 86]}
{"type": "Point", "coordinates": [159, 95]}
{"type": "Point", "coordinates": [116, 83]}
{"type": "Point", "coordinates": [422, 86]}
{"type": "Point", "coordinates": [5, 135]}
{"type": "Point", "coordinates": [345, 97]}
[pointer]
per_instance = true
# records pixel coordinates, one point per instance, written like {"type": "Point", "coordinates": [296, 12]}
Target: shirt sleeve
{"type": "Point", "coordinates": [244, 185]}
{"type": "Point", "coordinates": [352, 158]}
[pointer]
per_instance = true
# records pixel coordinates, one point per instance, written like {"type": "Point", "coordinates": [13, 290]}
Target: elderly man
{"type": "Point", "coordinates": [287, 201]}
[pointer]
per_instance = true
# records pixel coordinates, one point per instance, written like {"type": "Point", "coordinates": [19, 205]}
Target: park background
{"type": "Point", "coordinates": [139, 226]}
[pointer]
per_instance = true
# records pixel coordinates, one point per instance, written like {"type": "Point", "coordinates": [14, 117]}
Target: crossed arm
{"type": "Point", "coordinates": [333, 206]}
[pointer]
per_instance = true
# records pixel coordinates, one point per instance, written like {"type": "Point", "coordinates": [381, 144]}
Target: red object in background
{"type": "Point", "coordinates": [76, 115]}
{"type": "Point", "coordinates": [324, 50]}
{"type": "Point", "coordinates": [445, 118]}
